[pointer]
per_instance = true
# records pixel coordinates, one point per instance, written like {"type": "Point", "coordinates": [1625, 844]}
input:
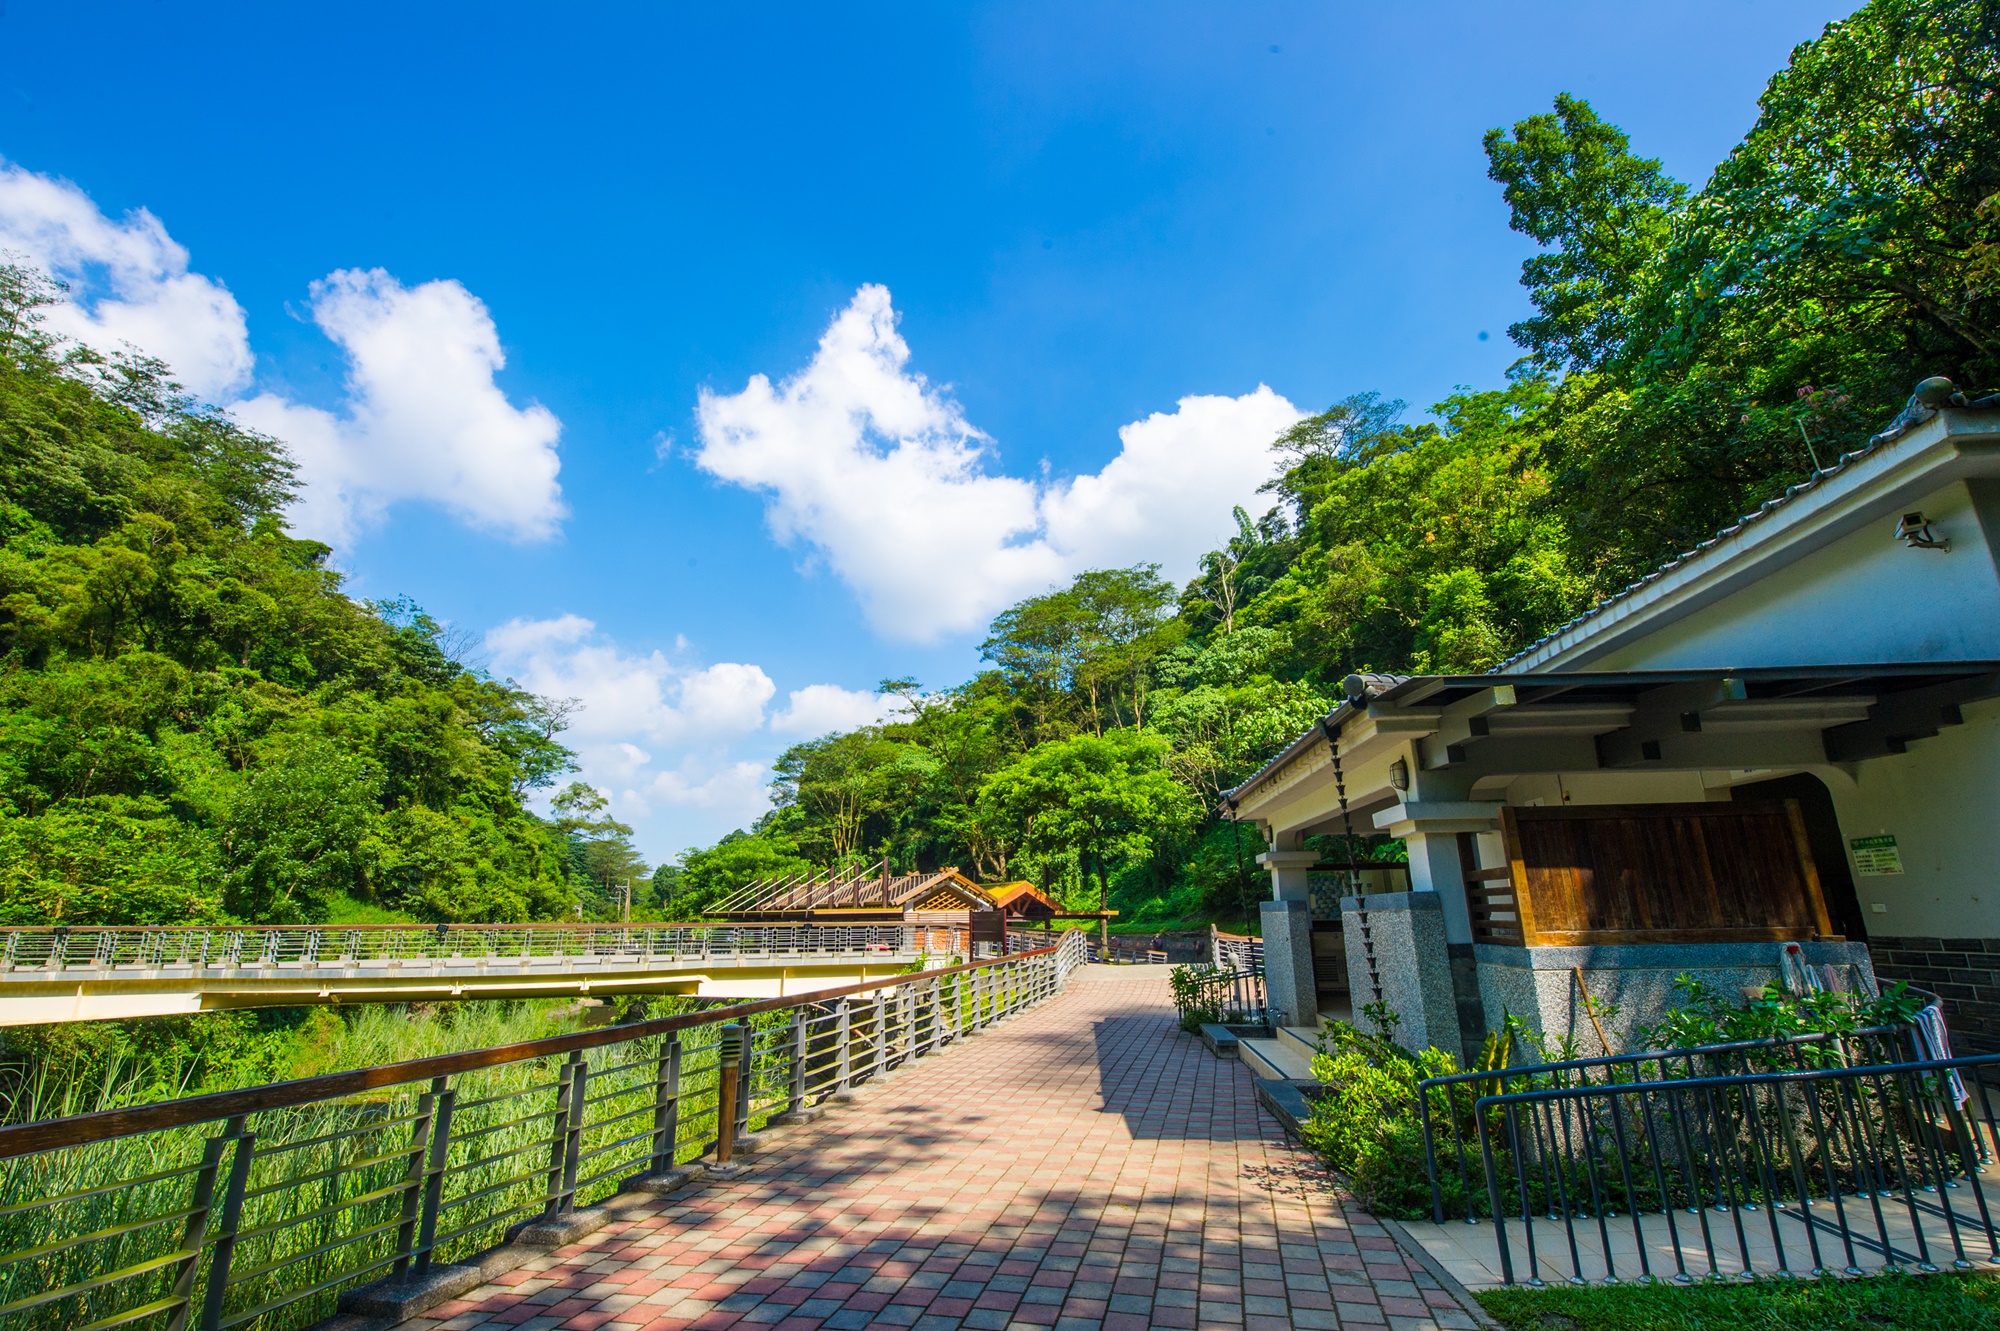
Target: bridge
{"type": "Point", "coordinates": [88, 974]}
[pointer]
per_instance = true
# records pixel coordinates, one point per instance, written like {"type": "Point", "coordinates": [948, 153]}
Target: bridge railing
{"type": "Point", "coordinates": [266, 1206]}
{"type": "Point", "coordinates": [58, 950]}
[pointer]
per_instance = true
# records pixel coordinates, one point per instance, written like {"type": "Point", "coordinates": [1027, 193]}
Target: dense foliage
{"type": "Point", "coordinates": [196, 724]}
{"type": "Point", "coordinates": [1692, 352]}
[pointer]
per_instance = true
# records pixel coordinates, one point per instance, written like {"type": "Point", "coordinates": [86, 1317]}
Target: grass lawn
{"type": "Point", "coordinates": [1907, 1303]}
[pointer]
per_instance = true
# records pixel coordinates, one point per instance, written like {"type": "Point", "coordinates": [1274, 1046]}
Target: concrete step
{"type": "Point", "coordinates": [1279, 1059]}
{"type": "Point", "coordinates": [1304, 1039]}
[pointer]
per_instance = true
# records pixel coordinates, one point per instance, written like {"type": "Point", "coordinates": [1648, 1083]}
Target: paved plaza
{"type": "Point", "coordinates": [1082, 1166]}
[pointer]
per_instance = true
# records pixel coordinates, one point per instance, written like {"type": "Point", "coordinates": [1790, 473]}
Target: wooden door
{"type": "Point", "coordinates": [1663, 873]}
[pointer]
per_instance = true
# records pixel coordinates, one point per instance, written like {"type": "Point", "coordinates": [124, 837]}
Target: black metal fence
{"type": "Point", "coordinates": [1808, 1155]}
{"type": "Point", "coordinates": [261, 1206]}
{"type": "Point", "coordinates": [1204, 994]}
{"type": "Point", "coordinates": [1446, 1105]}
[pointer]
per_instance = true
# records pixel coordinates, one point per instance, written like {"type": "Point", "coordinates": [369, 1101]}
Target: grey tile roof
{"type": "Point", "coordinates": [1915, 413]}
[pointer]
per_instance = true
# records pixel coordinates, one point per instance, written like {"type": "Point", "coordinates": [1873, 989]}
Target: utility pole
{"type": "Point", "coordinates": [628, 901]}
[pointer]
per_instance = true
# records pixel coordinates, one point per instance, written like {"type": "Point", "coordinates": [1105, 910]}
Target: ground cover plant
{"type": "Point", "coordinates": [1907, 1302]}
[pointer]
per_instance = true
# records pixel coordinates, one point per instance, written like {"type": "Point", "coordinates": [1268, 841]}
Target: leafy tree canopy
{"type": "Point", "coordinates": [195, 722]}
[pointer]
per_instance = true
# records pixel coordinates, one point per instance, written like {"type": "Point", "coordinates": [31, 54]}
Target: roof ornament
{"type": "Point", "coordinates": [1932, 395]}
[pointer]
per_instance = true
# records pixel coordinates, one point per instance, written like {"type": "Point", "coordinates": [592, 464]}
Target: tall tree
{"type": "Point", "coordinates": [1098, 797]}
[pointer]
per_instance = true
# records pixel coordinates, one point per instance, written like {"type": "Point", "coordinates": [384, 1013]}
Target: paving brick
{"type": "Point", "coordinates": [1083, 1166]}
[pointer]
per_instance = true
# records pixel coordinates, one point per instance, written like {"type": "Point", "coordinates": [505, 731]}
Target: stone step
{"type": "Point", "coordinates": [1304, 1039]}
{"type": "Point", "coordinates": [1278, 1059]}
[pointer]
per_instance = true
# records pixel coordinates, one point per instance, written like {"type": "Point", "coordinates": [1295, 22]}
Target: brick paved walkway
{"type": "Point", "coordinates": [1082, 1166]}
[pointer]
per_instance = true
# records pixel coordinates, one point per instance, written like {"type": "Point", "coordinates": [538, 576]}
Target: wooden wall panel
{"type": "Point", "coordinates": [1665, 873]}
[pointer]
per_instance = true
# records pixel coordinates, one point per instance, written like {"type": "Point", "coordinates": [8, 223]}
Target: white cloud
{"type": "Point", "coordinates": [821, 709]}
{"type": "Point", "coordinates": [423, 418]}
{"type": "Point", "coordinates": [625, 696]}
{"type": "Point", "coordinates": [880, 472]}
{"type": "Point", "coordinates": [661, 735]}
{"type": "Point", "coordinates": [129, 283]}
{"type": "Point", "coordinates": [1166, 498]}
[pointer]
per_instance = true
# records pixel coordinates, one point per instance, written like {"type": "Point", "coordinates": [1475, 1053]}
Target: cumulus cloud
{"type": "Point", "coordinates": [129, 283]}
{"type": "Point", "coordinates": [422, 418]}
{"type": "Point", "coordinates": [657, 733]}
{"type": "Point", "coordinates": [821, 709]}
{"type": "Point", "coordinates": [879, 472]}
{"type": "Point", "coordinates": [624, 696]}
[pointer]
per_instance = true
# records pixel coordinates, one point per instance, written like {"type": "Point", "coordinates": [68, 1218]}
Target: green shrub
{"type": "Point", "coordinates": [1365, 1123]}
{"type": "Point", "coordinates": [1196, 1003]}
{"type": "Point", "coordinates": [1707, 1016]}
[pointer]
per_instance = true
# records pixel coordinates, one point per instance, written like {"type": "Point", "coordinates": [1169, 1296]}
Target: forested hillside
{"type": "Point", "coordinates": [195, 723]}
{"type": "Point", "coordinates": [1692, 351]}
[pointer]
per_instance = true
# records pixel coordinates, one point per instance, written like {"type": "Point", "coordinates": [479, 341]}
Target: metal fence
{"type": "Point", "coordinates": [1203, 994]}
{"type": "Point", "coordinates": [1236, 952]}
{"type": "Point", "coordinates": [1446, 1105]}
{"type": "Point", "coordinates": [239, 947]}
{"type": "Point", "coordinates": [1814, 1154]}
{"type": "Point", "coordinates": [261, 1206]}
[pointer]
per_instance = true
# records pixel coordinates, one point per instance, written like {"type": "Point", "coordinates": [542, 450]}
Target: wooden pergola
{"type": "Point", "coordinates": [859, 898]}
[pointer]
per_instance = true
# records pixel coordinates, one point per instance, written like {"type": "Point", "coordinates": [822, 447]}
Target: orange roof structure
{"type": "Point", "coordinates": [1023, 898]}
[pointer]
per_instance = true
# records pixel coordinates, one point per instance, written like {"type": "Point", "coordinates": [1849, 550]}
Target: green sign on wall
{"type": "Point", "coordinates": [1876, 856]}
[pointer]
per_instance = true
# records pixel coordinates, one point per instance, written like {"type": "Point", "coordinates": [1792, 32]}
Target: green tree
{"type": "Point", "coordinates": [601, 846]}
{"type": "Point", "coordinates": [707, 876]}
{"type": "Point", "coordinates": [292, 839]}
{"type": "Point", "coordinates": [1098, 797]}
{"type": "Point", "coordinates": [195, 720]}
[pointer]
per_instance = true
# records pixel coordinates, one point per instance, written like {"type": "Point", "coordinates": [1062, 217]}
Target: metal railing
{"type": "Point", "coordinates": [1236, 952]}
{"type": "Point", "coordinates": [1776, 1172]}
{"type": "Point", "coordinates": [1120, 951]}
{"type": "Point", "coordinates": [261, 1206]}
{"type": "Point", "coordinates": [1445, 1105]}
{"type": "Point", "coordinates": [240, 947]}
{"type": "Point", "coordinates": [1203, 994]}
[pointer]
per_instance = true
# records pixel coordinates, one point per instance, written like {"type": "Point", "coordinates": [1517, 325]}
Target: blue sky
{"type": "Point", "coordinates": [1067, 218]}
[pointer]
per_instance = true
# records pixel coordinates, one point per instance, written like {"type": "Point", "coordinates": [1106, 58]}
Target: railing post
{"type": "Point", "coordinates": [443, 1100]}
{"type": "Point", "coordinates": [906, 1021]}
{"type": "Point", "coordinates": [667, 1106]}
{"type": "Point", "coordinates": [573, 1139]}
{"type": "Point", "coordinates": [195, 1231]}
{"type": "Point", "coordinates": [729, 1060]}
{"type": "Point", "coordinates": [744, 1083]}
{"type": "Point", "coordinates": [413, 1181]}
{"type": "Point", "coordinates": [796, 1100]}
{"type": "Point", "coordinates": [231, 1221]}
{"type": "Point", "coordinates": [879, 1054]}
{"type": "Point", "coordinates": [567, 1092]}
{"type": "Point", "coordinates": [844, 1033]}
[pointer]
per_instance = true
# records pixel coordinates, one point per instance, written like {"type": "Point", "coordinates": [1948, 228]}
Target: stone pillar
{"type": "Point", "coordinates": [1431, 828]}
{"type": "Point", "coordinates": [1396, 956]}
{"type": "Point", "coordinates": [1287, 927]}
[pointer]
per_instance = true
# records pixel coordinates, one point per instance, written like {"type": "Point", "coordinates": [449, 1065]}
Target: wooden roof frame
{"type": "Point", "coordinates": [835, 894]}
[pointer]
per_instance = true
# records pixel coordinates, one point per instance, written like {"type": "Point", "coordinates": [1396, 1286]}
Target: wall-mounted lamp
{"type": "Point", "coordinates": [1399, 774]}
{"type": "Point", "coordinates": [1914, 530]}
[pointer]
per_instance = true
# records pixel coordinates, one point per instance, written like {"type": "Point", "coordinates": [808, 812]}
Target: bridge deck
{"type": "Point", "coordinates": [1082, 1166]}
{"type": "Point", "coordinates": [92, 974]}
